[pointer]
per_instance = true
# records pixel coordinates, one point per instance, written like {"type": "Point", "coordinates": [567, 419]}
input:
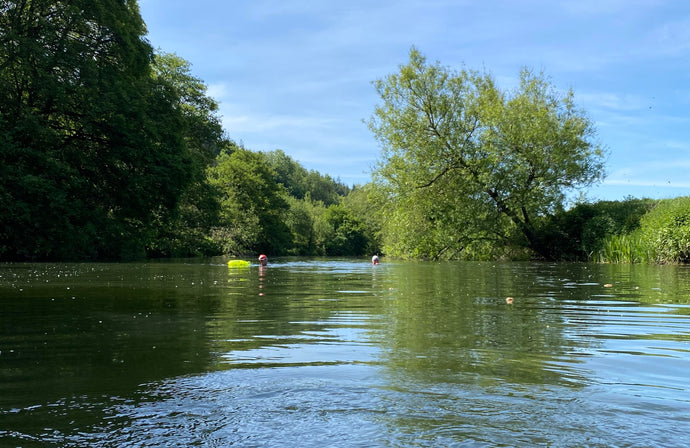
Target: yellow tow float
{"type": "Point", "coordinates": [238, 264]}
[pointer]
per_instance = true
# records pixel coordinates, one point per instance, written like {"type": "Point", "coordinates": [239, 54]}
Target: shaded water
{"type": "Point", "coordinates": [314, 353]}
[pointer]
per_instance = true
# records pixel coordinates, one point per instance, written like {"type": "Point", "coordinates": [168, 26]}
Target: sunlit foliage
{"type": "Point", "coordinates": [464, 163]}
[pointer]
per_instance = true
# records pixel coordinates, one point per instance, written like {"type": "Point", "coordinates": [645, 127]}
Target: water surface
{"type": "Point", "coordinates": [337, 352]}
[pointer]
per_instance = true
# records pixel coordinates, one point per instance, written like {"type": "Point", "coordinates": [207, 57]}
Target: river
{"type": "Point", "coordinates": [337, 352]}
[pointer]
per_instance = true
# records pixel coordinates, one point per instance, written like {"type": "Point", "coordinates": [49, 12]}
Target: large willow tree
{"type": "Point", "coordinates": [468, 168]}
{"type": "Point", "coordinates": [91, 153]}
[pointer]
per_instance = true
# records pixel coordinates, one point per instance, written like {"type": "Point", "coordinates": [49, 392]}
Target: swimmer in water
{"type": "Point", "coordinates": [263, 260]}
{"type": "Point", "coordinates": [375, 259]}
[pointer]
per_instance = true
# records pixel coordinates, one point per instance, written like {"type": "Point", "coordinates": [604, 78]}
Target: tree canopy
{"type": "Point", "coordinates": [465, 164]}
{"type": "Point", "coordinates": [91, 155]}
{"type": "Point", "coordinates": [299, 181]}
{"type": "Point", "coordinates": [253, 206]}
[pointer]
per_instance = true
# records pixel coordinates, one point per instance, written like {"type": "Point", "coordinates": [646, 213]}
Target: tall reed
{"type": "Point", "coordinates": [626, 248]}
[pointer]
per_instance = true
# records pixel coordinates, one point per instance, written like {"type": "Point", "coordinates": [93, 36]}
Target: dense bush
{"type": "Point", "coordinates": [666, 229]}
{"type": "Point", "coordinates": [583, 231]}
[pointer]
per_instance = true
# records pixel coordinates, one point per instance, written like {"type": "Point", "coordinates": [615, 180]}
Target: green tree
{"type": "Point", "coordinates": [362, 203]}
{"type": "Point", "coordinates": [345, 234]}
{"type": "Point", "coordinates": [289, 173]}
{"type": "Point", "coordinates": [187, 232]}
{"type": "Point", "coordinates": [253, 205]}
{"type": "Point", "coordinates": [299, 182]}
{"type": "Point", "coordinates": [203, 131]}
{"type": "Point", "coordinates": [300, 221]}
{"type": "Point", "coordinates": [465, 165]}
{"type": "Point", "coordinates": [324, 188]}
{"type": "Point", "coordinates": [90, 153]}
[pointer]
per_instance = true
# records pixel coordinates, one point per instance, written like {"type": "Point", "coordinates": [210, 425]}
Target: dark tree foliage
{"type": "Point", "coordinates": [202, 129]}
{"type": "Point", "coordinates": [188, 231]}
{"type": "Point", "coordinates": [90, 152]}
{"type": "Point", "coordinates": [580, 232]}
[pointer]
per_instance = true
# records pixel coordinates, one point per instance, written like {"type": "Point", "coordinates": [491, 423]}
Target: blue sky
{"type": "Point", "coordinates": [297, 75]}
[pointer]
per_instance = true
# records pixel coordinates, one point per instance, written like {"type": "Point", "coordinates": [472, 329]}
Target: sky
{"type": "Point", "coordinates": [297, 75]}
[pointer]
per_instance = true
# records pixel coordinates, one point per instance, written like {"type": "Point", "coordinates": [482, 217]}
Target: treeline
{"type": "Point", "coordinates": [628, 231]}
{"type": "Point", "coordinates": [267, 202]}
{"type": "Point", "coordinates": [111, 150]}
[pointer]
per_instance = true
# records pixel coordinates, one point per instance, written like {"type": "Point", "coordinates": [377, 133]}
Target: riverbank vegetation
{"type": "Point", "coordinates": [111, 150]}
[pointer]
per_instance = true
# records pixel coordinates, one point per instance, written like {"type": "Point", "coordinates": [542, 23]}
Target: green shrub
{"type": "Point", "coordinates": [587, 230]}
{"type": "Point", "coordinates": [666, 228]}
